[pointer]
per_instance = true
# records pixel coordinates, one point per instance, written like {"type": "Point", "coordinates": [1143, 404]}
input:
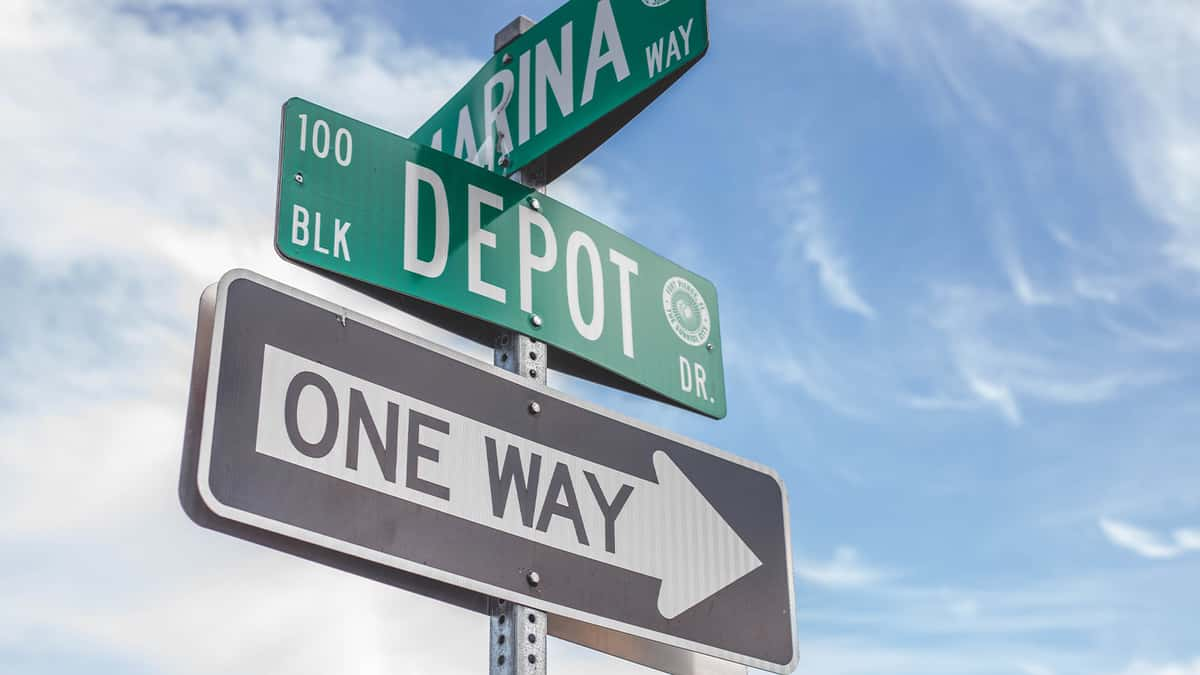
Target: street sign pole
{"type": "Point", "coordinates": [518, 633]}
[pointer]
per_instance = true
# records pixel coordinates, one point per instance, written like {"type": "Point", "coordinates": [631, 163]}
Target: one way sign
{"type": "Point", "coordinates": [331, 429]}
{"type": "Point", "coordinates": [528, 490]}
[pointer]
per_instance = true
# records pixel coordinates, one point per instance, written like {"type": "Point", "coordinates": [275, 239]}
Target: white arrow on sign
{"type": "Point", "coordinates": [343, 426]}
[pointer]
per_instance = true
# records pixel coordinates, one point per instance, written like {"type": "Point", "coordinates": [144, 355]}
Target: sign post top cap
{"type": "Point", "coordinates": [512, 31]}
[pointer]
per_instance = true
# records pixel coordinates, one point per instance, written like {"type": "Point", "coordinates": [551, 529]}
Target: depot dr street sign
{"type": "Point", "coordinates": [575, 78]}
{"type": "Point", "coordinates": [342, 434]}
{"type": "Point", "coordinates": [371, 206]}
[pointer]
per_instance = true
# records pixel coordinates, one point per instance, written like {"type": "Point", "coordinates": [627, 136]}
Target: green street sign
{"type": "Point", "coordinates": [569, 83]}
{"type": "Point", "coordinates": [361, 203]}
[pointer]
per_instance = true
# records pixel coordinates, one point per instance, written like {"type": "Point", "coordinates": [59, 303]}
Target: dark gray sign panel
{"type": "Point", "coordinates": [354, 441]}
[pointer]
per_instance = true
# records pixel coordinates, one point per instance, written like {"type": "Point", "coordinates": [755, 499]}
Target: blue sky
{"type": "Point", "coordinates": [958, 249]}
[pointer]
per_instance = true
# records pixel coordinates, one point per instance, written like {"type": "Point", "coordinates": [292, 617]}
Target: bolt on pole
{"type": "Point", "coordinates": [518, 633]}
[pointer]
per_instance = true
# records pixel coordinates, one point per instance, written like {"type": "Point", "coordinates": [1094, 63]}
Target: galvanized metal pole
{"type": "Point", "coordinates": [518, 633]}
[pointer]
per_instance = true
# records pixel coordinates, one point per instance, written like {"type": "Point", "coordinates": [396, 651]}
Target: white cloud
{"type": "Point", "coordinates": [589, 191]}
{"type": "Point", "coordinates": [1003, 356]}
{"type": "Point", "coordinates": [1140, 541]}
{"type": "Point", "coordinates": [1147, 668]}
{"type": "Point", "coordinates": [994, 394]}
{"type": "Point", "coordinates": [808, 228]}
{"type": "Point", "coordinates": [964, 608]}
{"type": "Point", "coordinates": [969, 349]}
{"type": "Point", "coordinates": [994, 628]}
{"type": "Point", "coordinates": [108, 457]}
{"type": "Point", "coordinates": [1132, 279]}
{"type": "Point", "coordinates": [141, 149]}
{"type": "Point", "coordinates": [812, 374]}
{"type": "Point", "coordinates": [1150, 544]}
{"type": "Point", "coordinates": [845, 570]}
{"type": "Point", "coordinates": [1022, 285]}
{"type": "Point", "coordinates": [873, 655]}
{"type": "Point", "coordinates": [174, 160]}
{"type": "Point", "coordinates": [1141, 58]}
{"type": "Point", "coordinates": [97, 483]}
{"type": "Point", "coordinates": [939, 402]}
{"type": "Point", "coordinates": [1188, 539]}
{"type": "Point", "coordinates": [1136, 60]}
{"type": "Point", "coordinates": [975, 615]}
{"type": "Point", "coordinates": [1047, 337]}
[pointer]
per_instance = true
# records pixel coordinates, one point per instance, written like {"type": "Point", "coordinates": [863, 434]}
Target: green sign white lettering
{"type": "Point", "coordinates": [369, 205]}
{"type": "Point", "coordinates": [562, 88]}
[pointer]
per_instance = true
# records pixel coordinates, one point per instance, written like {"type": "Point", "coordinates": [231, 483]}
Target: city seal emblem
{"type": "Point", "coordinates": [686, 311]}
{"type": "Point", "coordinates": [655, 3]}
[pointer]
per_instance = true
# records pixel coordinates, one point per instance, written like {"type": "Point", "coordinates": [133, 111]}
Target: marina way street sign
{"type": "Point", "coordinates": [362, 203]}
{"type": "Point", "coordinates": [569, 83]}
{"type": "Point", "coordinates": [327, 428]}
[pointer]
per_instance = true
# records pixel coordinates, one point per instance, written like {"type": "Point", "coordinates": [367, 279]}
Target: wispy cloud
{"type": "Point", "coordinates": [1139, 59]}
{"type": "Point", "coordinates": [1148, 668]}
{"type": "Point", "coordinates": [1014, 267]}
{"type": "Point", "coordinates": [1136, 61]}
{"type": "Point", "coordinates": [995, 394]}
{"type": "Point", "coordinates": [967, 629]}
{"type": "Point", "coordinates": [115, 232]}
{"type": "Point", "coordinates": [142, 148]}
{"type": "Point", "coordinates": [1150, 544]}
{"type": "Point", "coordinates": [810, 239]}
{"type": "Point", "coordinates": [589, 190]}
{"type": "Point", "coordinates": [1002, 357]}
{"type": "Point", "coordinates": [875, 655]}
{"type": "Point", "coordinates": [1085, 299]}
{"type": "Point", "coordinates": [189, 181]}
{"type": "Point", "coordinates": [845, 570]}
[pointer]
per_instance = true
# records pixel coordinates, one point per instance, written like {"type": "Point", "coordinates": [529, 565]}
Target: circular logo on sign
{"type": "Point", "coordinates": [655, 3]}
{"type": "Point", "coordinates": [686, 311]}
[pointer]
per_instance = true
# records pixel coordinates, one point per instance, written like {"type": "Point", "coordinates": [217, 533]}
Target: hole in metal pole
{"type": "Point", "coordinates": [533, 356]}
{"type": "Point", "coordinates": [532, 619]}
{"type": "Point", "coordinates": [532, 658]}
{"type": "Point", "coordinates": [500, 640]}
{"type": "Point", "coordinates": [500, 659]}
{"type": "Point", "coordinates": [501, 619]}
{"type": "Point", "coordinates": [532, 638]}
